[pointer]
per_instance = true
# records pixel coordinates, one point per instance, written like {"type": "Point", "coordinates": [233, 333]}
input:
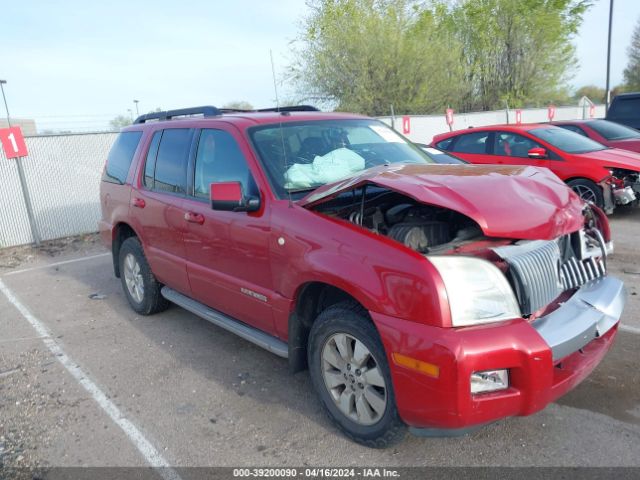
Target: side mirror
{"type": "Point", "coordinates": [537, 152]}
{"type": "Point", "coordinates": [229, 196]}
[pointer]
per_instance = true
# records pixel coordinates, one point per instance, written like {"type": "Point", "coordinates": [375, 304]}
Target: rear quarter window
{"type": "Point", "coordinates": [120, 157]}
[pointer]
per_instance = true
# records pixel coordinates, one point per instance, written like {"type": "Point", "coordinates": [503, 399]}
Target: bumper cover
{"type": "Point", "coordinates": [590, 313]}
{"type": "Point", "coordinates": [545, 359]}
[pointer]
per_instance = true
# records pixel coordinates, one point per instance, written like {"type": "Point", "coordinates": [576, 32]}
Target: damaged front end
{"type": "Point", "coordinates": [493, 269]}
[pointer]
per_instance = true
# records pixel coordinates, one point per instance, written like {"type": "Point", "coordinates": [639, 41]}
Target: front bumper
{"type": "Point", "coordinates": [545, 358]}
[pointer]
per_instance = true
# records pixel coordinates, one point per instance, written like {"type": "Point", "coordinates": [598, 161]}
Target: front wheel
{"type": "Point", "coordinates": [350, 373]}
{"type": "Point", "coordinates": [588, 191]}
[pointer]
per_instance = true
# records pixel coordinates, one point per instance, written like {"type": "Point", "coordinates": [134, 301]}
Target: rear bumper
{"type": "Point", "coordinates": [545, 359]}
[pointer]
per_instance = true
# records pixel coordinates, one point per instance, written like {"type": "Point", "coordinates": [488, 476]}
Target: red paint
{"type": "Point", "coordinates": [552, 210]}
{"type": "Point", "coordinates": [13, 142]}
{"type": "Point", "coordinates": [253, 267]}
{"type": "Point", "coordinates": [226, 191]}
{"type": "Point", "coordinates": [406, 125]}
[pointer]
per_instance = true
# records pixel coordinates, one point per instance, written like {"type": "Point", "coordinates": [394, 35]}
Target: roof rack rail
{"type": "Point", "coordinates": [292, 108]}
{"type": "Point", "coordinates": [207, 111]}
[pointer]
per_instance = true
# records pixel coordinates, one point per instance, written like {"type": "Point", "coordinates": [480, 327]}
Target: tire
{"type": "Point", "coordinates": [138, 282]}
{"type": "Point", "coordinates": [588, 191]}
{"type": "Point", "coordinates": [346, 323]}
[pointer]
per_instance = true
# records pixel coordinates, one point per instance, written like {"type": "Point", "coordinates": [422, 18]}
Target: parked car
{"type": "Point", "coordinates": [625, 109]}
{"type": "Point", "coordinates": [610, 134]}
{"type": "Point", "coordinates": [438, 297]}
{"type": "Point", "coordinates": [604, 176]}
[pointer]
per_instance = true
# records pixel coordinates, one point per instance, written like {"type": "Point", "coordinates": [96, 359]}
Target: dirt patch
{"type": "Point", "coordinates": [14, 257]}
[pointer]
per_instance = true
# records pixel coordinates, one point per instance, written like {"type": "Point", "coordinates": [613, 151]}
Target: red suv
{"type": "Point", "coordinates": [439, 297]}
{"type": "Point", "coordinates": [601, 175]}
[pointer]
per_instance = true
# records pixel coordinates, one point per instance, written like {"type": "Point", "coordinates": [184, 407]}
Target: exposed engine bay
{"type": "Point", "coordinates": [423, 228]}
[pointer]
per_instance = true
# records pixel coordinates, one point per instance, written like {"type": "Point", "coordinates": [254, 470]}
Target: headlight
{"type": "Point", "coordinates": [478, 292]}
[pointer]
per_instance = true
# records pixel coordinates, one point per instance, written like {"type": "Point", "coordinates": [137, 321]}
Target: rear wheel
{"type": "Point", "coordinates": [138, 282]}
{"type": "Point", "coordinates": [350, 373]}
{"type": "Point", "coordinates": [588, 191]}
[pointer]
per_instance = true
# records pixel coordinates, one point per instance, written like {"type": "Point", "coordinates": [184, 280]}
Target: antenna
{"type": "Point", "coordinates": [284, 150]}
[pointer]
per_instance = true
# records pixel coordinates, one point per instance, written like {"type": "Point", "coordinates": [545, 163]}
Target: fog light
{"type": "Point", "coordinates": [489, 381]}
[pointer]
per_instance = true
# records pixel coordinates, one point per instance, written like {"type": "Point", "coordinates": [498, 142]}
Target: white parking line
{"type": "Point", "coordinates": [148, 451]}
{"type": "Point", "coordinates": [56, 264]}
{"type": "Point", "coordinates": [627, 328]}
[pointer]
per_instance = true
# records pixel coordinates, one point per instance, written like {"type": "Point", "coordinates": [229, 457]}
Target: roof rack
{"type": "Point", "coordinates": [292, 108]}
{"type": "Point", "coordinates": [206, 111]}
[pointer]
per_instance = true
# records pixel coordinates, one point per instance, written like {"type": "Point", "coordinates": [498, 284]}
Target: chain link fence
{"type": "Point", "coordinates": [63, 178]}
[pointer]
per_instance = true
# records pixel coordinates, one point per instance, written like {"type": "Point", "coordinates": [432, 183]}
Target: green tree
{"type": "Point", "coordinates": [593, 93]}
{"type": "Point", "coordinates": [119, 122]}
{"type": "Point", "coordinates": [516, 51]}
{"type": "Point", "coordinates": [632, 72]}
{"type": "Point", "coordinates": [238, 105]}
{"type": "Point", "coordinates": [369, 55]}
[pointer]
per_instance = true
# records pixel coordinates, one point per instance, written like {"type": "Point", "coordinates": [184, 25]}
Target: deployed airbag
{"type": "Point", "coordinates": [333, 166]}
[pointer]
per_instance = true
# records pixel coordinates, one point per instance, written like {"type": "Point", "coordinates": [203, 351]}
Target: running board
{"type": "Point", "coordinates": [230, 324]}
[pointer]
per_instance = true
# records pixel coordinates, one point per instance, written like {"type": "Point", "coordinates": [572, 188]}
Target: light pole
{"type": "Point", "coordinates": [130, 115]}
{"type": "Point", "coordinates": [23, 181]}
{"type": "Point", "coordinates": [137, 111]}
{"type": "Point", "coordinates": [608, 93]}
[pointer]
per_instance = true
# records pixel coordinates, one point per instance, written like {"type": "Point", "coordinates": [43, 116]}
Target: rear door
{"type": "Point", "coordinates": [157, 205]}
{"type": "Point", "coordinates": [475, 147]}
{"type": "Point", "coordinates": [228, 252]}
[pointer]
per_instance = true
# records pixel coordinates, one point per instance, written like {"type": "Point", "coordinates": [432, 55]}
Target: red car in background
{"type": "Point", "coordinates": [611, 134]}
{"type": "Point", "coordinates": [599, 174]}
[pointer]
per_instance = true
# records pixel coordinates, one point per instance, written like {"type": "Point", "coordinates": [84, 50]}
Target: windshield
{"type": "Point", "coordinates": [302, 156]}
{"type": "Point", "coordinates": [613, 131]}
{"type": "Point", "coordinates": [566, 140]}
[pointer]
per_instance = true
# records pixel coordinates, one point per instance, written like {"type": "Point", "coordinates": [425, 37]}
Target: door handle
{"type": "Point", "coordinates": [139, 202]}
{"type": "Point", "coordinates": [193, 217]}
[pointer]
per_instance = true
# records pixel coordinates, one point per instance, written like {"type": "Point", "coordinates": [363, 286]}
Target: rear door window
{"type": "Point", "coordinates": [120, 157]}
{"type": "Point", "coordinates": [472, 143]}
{"type": "Point", "coordinates": [170, 169]}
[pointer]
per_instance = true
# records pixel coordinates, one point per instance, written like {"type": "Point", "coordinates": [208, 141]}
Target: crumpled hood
{"type": "Point", "coordinates": [505, 201]}
{"type": "Point", "coordinates": [613, 157]}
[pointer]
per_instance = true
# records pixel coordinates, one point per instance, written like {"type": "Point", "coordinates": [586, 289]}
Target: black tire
{"type": "Point", "coordinates": [152, 301]}
{"type": "Point", "coordinates": [587, 190]}
{"type": "Point", "coordinates": [349, 318]}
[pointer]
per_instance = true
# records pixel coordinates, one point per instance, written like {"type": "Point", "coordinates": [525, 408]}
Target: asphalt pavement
{"type": "Point", "coordinates": [84, 381]}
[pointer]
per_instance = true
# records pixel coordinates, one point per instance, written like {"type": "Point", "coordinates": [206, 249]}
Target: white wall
{"type": "Point", "coordinates": [424, 127]}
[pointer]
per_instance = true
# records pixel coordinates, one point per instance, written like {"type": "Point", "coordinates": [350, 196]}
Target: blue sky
{"type": "Point", "coordinates": [77, 64]}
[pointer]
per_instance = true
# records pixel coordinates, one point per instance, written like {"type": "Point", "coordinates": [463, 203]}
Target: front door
{"type": "Point", "coordinates": [227, 252]}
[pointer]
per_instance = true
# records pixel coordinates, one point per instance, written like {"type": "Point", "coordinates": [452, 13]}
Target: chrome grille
{"type": "Point", "coordinates": [575, 273]}
{"type": "Point", "coordinates": [538, 275]}
{"type": "Point", "coordinates": [534, 272]}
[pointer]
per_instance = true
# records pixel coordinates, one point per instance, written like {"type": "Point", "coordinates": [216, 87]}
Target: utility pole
{"type": "Point", "coordinates": [137, 111]}
{"type": "Point", "coordinates": [608, 95]}
{"type": "Point", "coordinates": [23, 181]}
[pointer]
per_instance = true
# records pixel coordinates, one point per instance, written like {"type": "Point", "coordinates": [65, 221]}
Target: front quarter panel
{"type": "Point", "coordinates": [381, 274]}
